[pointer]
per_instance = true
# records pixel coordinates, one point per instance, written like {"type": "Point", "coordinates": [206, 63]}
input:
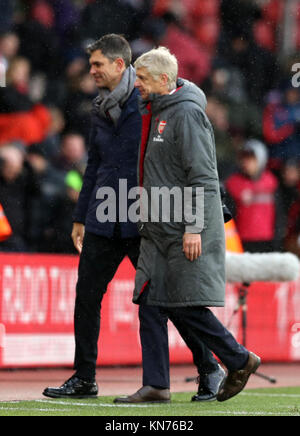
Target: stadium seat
{"type": "Point", "coordinates": [273, 11]}
{"type": "Point", "coordinates": [206, 8]}
{"type": "Point", "coordinates": [160, 7]}
{"type": "Point", "coordinates": [265, 35]}
{"type": "Point", "coordinates": [207, 33]}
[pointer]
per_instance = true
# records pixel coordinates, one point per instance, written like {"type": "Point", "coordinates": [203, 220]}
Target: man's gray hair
{"type": "Point", "coordinates": [160, 61]}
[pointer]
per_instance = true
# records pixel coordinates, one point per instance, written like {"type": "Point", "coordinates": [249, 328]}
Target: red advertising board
{"type": "Point", "coordinates": [37, 295]}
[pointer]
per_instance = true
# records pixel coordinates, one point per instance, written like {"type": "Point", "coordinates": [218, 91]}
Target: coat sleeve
{"type": "Point", "coordinates": [89, 181]}
{"type": "Point", "coordinates": [198, 154]}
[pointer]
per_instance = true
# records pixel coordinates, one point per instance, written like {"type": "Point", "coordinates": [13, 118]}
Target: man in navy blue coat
{"type": "Point", "coordinates": [113, 155]}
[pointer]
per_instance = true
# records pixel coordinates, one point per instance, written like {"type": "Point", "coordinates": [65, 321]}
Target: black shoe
{"type": "Point", "coordinates": [73, 388]}
{"type": "Point", "coordinates": [209, 385]}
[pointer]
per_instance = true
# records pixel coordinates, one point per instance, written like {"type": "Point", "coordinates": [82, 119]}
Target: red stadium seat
{"type": "Point", "coordinates": [161, 7]}
{"type": "Point", "coordinates": [43, 13]}
{"type": "Point", "coordinates": [206, 8]}
{"type": "Point", "coordinates": [207, 33]}
{"type": "Point", "coordinates": [273, 11]}
{"type": "Point", "coordinates": [265, 35]}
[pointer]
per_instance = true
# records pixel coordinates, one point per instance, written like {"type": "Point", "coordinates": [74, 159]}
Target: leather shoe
{"type": "Point", "coordinates": [209, 385]}
{"type": "Point", "coordinates": [73, 388]}
{"type": "Point", "coordinates": [147, 394]}
{"type": "Point", "coordinates": [236, 381]}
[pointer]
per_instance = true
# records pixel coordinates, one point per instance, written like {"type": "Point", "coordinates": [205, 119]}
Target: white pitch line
{"type": "Point", "coordinates": [98, 405]}
{"type": "Point", "coordinates": [244, 413]}
{"type": "Point", "coordinates": [261, 394]}
{"type": "Point", "coordinates": [25, 409]}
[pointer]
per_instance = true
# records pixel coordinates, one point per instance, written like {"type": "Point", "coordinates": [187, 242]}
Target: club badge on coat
{"type": "Point", "coordinates": [161, 127]}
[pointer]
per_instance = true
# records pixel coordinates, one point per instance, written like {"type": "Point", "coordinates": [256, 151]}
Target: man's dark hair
{"type": "Point", "coordinates": [113, 47]}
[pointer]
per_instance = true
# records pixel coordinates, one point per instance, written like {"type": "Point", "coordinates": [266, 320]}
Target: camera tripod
{"type": "Point", "coordinates": [243, 306]}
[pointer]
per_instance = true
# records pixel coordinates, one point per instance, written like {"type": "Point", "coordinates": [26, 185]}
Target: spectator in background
{"type": "Point", "coordinates": [239, 49]}
{"type": "Point", "coordinates": [51, 145]}
{"type": "Point", "coordinates": [59, 87]}
{"type": "Point", "coordinates": [6, 17]}
{"type": "Point", "coordinates": [218, 114]}
{"type": "Point", "coordinates": [292, 240]}
{"type": "Point", "coordinates": [253, 192]}
{"type": "Point", "coordinates": [234, 118]}
{"type": "Point", "coordinates": [79, 104]}
{"type": "Point", "coordinates": [102, 17]}
{"type": "Point", "coordinates": [72, 154]}
{"type": "Point", "coordinates": [15, 97]}
{"type": "Point", "coordinates": [281, 125]}
{"type": "Point", "coordinates": [67, 17]}
{"type": "Point", "coordinates": [62, 223]}
{"type": "Point", "coordinates": [239, 15]}
{"type": "Point", "coordinates": [45, 205]}
{"type": "Point", "coordinates": [258, 66]}
{"type": "Point", "coordinates": [21, 119]}
{"type": "Point", "coordinates": [228, 84]}
{"type": "Point", "coordinates": [9, 46]}
{"type": "Point", "coordinates": [18, 187]}
{"type": "Point", "coordinates": [39, 42]}
{"type": "Point", "coordinates": [288, 197]}
{"type": "Point", "coordinates": [194, 61]}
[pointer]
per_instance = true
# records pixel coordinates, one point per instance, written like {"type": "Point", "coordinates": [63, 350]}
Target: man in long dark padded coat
{"type": "Point", "coordinates": [181, 268]}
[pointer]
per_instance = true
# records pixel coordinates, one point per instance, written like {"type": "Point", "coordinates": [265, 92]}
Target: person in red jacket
{"type": "Point", "coordinates": [253, 191]}
{"type": "Point", "coordinates": [20, 118]}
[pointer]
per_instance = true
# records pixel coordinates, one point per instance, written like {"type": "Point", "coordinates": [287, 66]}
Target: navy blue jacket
{"type": "Point", "coordinates": [113, 155]}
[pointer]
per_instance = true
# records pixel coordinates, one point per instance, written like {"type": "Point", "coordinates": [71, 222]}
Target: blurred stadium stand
{"type": "Point", "coordinates": [241, 53]}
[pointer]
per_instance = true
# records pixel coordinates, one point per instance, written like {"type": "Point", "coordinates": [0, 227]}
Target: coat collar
{"type": "Point", "coordinates": [186, 91]}
{"type": "Point", "coordinates": [128, 109]}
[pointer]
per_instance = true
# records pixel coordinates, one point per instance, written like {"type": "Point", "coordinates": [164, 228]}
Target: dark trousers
{"type": "Point", "coordinates": [99, 262]}
{"type": "Point", "coordinates": [198, 326]}
{"type": "Point", "coordinates": [152, 339]}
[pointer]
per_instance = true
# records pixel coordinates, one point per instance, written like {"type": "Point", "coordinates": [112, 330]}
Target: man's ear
{"type": "Point", "coordinates": [120, 64]}
{"type": "Point", "coordinates": [164, 79]}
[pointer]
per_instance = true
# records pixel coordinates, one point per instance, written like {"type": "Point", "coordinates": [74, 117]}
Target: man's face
{"type": "Point", "coordinates": [73, 148]}
{"type": "Point", "coordinates": [250, 165]}
{"type": "Point", "coordinates": [147, 85]}
{"type": "Point", "coordinates": [106, 73]}
{"type": "Point", "coordinates": [12, 163]}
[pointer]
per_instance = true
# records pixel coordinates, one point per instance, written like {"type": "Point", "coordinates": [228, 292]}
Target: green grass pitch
{"type": "Point", "coordinates": [260, 402]}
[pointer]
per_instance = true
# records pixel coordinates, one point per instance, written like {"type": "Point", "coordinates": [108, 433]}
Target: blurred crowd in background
{"type": "Point", "coordinates": [235, 50]}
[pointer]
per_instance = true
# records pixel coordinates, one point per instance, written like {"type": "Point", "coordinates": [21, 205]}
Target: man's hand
{"type": "Point", "coordinates": [192, 246]}
{"type": "Point", "coordinates": [77, 236]}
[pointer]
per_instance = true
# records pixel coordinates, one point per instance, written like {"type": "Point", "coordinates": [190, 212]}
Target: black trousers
{"type": "Point", "coordinates": [99, 262]}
